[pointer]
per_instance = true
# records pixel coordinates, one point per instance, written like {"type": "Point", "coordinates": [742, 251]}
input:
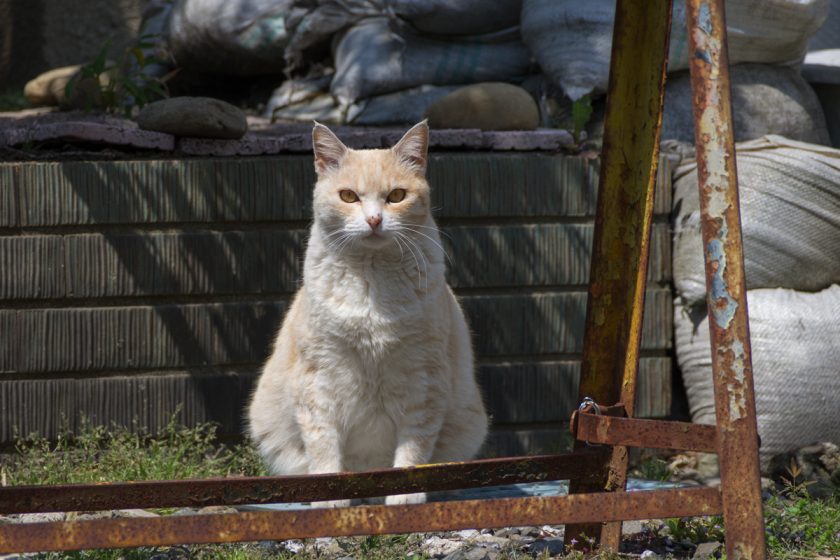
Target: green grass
{"type": "Point", "coordinates": [12, 99]}
{"type": "Point", "coordinates": [96, 454]}
{"type": "Point", "coordinates": [800, 526]}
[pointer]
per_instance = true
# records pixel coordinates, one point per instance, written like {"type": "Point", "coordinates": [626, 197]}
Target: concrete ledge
{"type": "Point", "coordinates": [263, 138]}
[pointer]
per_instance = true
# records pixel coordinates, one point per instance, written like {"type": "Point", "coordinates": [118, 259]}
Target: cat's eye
{"type": "Point", "coordinates": [348, 196]}
{"type": "Point", "coordinates": [396, 195]}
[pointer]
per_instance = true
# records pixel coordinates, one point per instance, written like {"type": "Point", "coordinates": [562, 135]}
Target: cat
{"type": "Point", "coordinates": [373, 364]}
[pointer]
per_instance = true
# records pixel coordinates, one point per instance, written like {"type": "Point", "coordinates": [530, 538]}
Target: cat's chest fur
{"type": "Point", "coordinates": [375, 306]}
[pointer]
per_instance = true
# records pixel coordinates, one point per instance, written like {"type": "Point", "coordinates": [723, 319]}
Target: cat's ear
{"type": "Point", "coordinates": [329, 151]}
{"type": "Point", "coordinates": [412, 150]}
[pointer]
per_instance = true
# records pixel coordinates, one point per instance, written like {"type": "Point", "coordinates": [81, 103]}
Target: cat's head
{"type": "Point", "coordinates": [370, 197]}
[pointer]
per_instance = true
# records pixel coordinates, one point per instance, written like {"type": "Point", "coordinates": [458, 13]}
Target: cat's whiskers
{"type": "Point", "coordinates": [440, 231]}
{"type": "Point", "coordinates": [339, 244]}
{"type": "Point", "coordinates": [421, 275]}
{"type": "Point", "coordinates": [430, 238]}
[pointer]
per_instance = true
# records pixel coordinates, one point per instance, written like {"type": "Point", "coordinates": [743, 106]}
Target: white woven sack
{"type": "Point", "coordinates": [795, 339]}
{"type": "Point", "coordinates": [790, 218]}
{"type": "Point", "coordinates": [572, 40]}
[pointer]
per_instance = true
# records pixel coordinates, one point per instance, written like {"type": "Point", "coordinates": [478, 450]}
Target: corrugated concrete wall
{"type": "Point", "coordinates": [128, 289]}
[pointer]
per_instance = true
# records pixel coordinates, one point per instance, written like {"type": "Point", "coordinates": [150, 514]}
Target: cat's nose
{"type": "Point", "coordinates": [374, 221]}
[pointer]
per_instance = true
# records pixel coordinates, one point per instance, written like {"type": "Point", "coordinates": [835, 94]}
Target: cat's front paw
{"type": "Point", "coordinates": [406, 499]}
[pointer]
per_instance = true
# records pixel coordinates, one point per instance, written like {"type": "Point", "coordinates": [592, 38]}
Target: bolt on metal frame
{"type": "Point", "coordinates": [597, 502]}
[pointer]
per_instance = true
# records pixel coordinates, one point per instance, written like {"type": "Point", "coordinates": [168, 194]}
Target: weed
{"type": "Point", "coordinates": [123, 86]}
{"type": "Point", "coordinates": [95, 454]}
{"type": "Point", "coordinates": [581, 113]}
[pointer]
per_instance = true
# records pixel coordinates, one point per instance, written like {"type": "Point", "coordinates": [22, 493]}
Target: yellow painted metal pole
{"type": "Point", "coordinates": [622, 228]}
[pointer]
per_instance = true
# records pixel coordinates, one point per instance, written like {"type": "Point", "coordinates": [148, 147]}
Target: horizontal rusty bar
{"type": "Point", "coordinates": [262, 490]}
{"type": "Point", "coordinates": [633, 432]}
{"type": "Point", "coordinates": [364, 520]}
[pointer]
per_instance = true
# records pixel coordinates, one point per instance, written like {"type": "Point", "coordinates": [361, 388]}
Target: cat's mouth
{"type": "Point", "coordinates": [377, 237]}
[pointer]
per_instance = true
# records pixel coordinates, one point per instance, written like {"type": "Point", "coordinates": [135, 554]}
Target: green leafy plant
{"type": "Point", "coordinates": [581, 113]}
{"type": "Point", "coordinates": [696, 529]}
{"type": "Point", "coordinates": [121, 86]}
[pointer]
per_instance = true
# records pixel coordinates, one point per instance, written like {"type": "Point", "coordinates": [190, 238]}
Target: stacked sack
{"type": "Point", "coordinates": [393, 58]}
{"type": "Point", "coordinates": [790, 214]}
{"type": "Point", "coordinates": [767, 39]}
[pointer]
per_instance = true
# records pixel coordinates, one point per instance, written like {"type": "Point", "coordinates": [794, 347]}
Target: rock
{"type": "Point", "coordinates": [438, 547]}
{"type": "Point", "coordinates": [492, 541]}
{"type": "Point", "coordinates": [485, 106]}
{"type": "Point", "coordinates": [40, 517]}
{"type": "Point", "coordinates": [293, 546]}
{"type": "Point", "coordinates": [481, 553]}
{"type": "Point", "coordinates": [199, 117]}
{"type": "Point", "coordinates": [707, 550]}
{"type": "Point", "coordinates": [467, 533]}
{"type": "Point", "coordinates": [456, 555]}
{"type": "Point", "coordinates": [327, 546]}
{"type": "Point", "coordinates": [553, 545]}
{"type": "Point", "coordinates": [215, 510]}
{"type": "Point", "coordinates": [42, 90]}
{"type": "Point", "coordinates": [765, 100]}
{"type": "Point", "coordinates": [134, 513]}
{"type": "Point", "coordinates": [49, 89]}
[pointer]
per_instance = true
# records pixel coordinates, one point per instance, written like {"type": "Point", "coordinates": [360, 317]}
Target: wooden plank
{"type": "Point", "coordinates": [8, 198]}
{"type": "Point", "coordinates": [501, 185]}
{"type": "Point", "coordinates": [268, 261]}
{"type": "Point", "coordinates": [50, 406]}
{"type": "Point", "coordinates": [474, 185]}
{"type": "Point", "coordinates": [186, 263]}
{"type": "Point", "coordinates": [142, 337]}
{"type": "Point", "coordinates": [31, 267]}
{"type": "Point", "coordinates": [168, 191]}
{"type": "Point", "coordinates": [540, 392]}
{"type": "Point", "coordinates": [535, 255]}
{"type": "Point", "coordinates": [552, 322]}
{"type": "Point", "coordinates": [167, 336]}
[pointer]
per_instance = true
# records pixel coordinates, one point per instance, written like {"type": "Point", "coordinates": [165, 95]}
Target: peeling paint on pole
{"type": "Point", "coordinates": [725, 284]}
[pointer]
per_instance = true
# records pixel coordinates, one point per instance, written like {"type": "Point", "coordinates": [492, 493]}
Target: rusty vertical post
{"type": "Point", "coordinates": [725, 285]}
{"type": "Point", "coordinates": [622, 228]}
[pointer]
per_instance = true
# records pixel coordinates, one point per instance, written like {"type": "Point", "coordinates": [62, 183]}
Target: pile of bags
{"type": "Point", "coordinates": [393, 58]}
{"type": "Point", "coordinates": [790, 213]}
{"type": "Point", "coordinates": [385, 61]}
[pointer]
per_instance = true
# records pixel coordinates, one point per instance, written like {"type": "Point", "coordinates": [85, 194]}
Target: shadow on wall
{"type": "Point", "coordinates": [188, 268]}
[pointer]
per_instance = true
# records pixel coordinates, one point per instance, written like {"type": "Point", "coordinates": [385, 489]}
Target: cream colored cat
{"type": "Point", "coordinates": [373, 365]}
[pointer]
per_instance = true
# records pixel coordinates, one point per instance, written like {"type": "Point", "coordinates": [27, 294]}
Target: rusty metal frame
{"type": "Point", "coordinates": [597, 503]}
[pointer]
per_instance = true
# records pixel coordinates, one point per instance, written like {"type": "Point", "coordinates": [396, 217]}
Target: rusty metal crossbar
{"type": "Point", "coordinates": [655, 434]}
{"type": "Point", "coordinates": [363, 520]}
{"type": "Point", "coordinates": [279, 489]}
{"type": "Point", "coordinates": [597, 502]}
